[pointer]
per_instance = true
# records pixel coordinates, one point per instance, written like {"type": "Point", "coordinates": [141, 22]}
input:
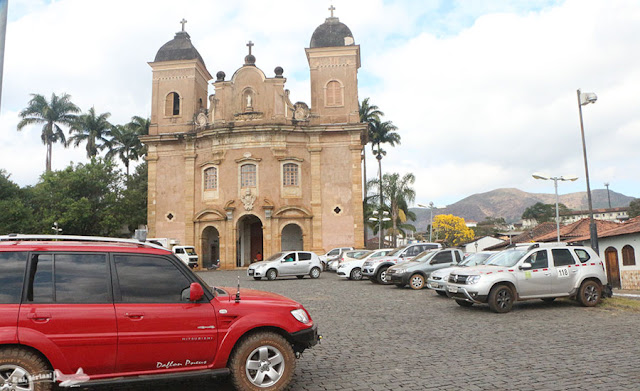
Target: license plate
{"type": "Point", "coordinates": [250, 272]}
{"type": "Point", "coordinates": [453, 289]}
{"type": "Point", "coordinates": [435, 286]}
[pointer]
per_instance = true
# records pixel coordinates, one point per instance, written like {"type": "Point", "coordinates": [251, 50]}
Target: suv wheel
{"type": "Point", "coordinates": [18, 368]}
{"type": "Point", "coordinates": [590, 293]}
{"type": "Point", "coordinates": [272, 274]}
{"type": "Point", "coordinates": [315, 272]}
{"type": "Point", "coordinates": [416, 281]}
{"type": "Point", "coordinates": [263, 361]}
{"type": "Point", "coordinates": [356, 274]}
{"type": "Point", "coordinates": [501, 298]}
{"type": "Point", "coordinates": [382, 277]}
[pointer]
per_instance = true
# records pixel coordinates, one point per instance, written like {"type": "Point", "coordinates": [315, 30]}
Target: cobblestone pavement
{"type": "Point", "coordinates": [384, 338]}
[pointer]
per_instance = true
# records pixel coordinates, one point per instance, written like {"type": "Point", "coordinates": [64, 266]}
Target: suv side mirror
{"type": "Point", "coordinates": [195, 292]}
{"type": "Point", "coordinates": [525, 266]}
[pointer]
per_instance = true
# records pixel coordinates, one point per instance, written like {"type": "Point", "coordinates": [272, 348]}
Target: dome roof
{"type": "Point", "coordinates": [331, 33]}
{"type": "Point", "coordinates": [179, 48]}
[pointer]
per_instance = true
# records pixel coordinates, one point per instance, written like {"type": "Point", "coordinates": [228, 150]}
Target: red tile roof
{"type": "Point", "coordinates": [629, 227]}
{"type": "Point", "coordinates": [578, 229]}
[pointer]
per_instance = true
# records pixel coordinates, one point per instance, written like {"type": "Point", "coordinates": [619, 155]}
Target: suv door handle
{"type": "Point", "coordinates": [134, 316]}
{"type": "Point", "coordinates": [547, 273]}
{"type": "Point", "coordinates": [38, 317]}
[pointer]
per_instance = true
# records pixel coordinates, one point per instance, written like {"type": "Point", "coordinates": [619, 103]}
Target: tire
{"type": "Point", "coordinates": [443, 293]}
{"type": "Point", "coordinates": [590, 293]}
{"type": "Point", "coordinates": [463, 303]}
{"type": "Point", "coordinates": [548, 299]}
{"type": "Point", "coordinates": [314, 273]}
{"type": "Point", "coordinates": [501, 299]}
{"type": "Point", "coordinates": [356, 274]}
{"type": "Point", "coordinates": [381, 276]}
{"type": "Point", "coordinates": [416, 281]}
{"type": "Point", "coordinates": [300, 277]}
{"type": "Point", "coordinates": [272, 274]}
{"type": "Point", "coordinates": [262, 361]}
{"type": "Point", "coordinates": [16, 360]}
{"type": "Point", "coordinates": [257, 278]}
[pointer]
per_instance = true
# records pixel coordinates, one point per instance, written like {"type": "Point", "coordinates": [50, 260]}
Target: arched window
{"type": "Point", "coordinates": [333, 94]}
{"type": "Point", "coordinates": [211, 178]}
{"type": "Point", "coordinates": [248, 175]}
{"type": "Point", "coordinates": [172, 104]}
{"type": "Point", "coordinates": [290, 174]}
{"type": "Point", "coordinates": [628, 256]}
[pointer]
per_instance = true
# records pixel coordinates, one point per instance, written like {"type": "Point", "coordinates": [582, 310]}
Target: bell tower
{"type": "Point", "coordinates": [334, 59]}
{"type": "Point", "coordinates": [180, 86]}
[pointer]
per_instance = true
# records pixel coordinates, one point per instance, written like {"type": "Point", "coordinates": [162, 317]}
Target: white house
{"type": "Point", "coordinates": [481, 244]}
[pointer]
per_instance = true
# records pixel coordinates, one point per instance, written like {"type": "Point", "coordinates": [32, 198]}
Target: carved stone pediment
{"type": "Point", "coordinates": [292, 212]}
{"type": "Point", "coordinates": [209, 215]}
{"type": "Point", "coordinates": [249, 116]}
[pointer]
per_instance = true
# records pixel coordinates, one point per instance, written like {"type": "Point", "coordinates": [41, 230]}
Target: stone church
{"type": "Point", "coordinates": [246, 171]}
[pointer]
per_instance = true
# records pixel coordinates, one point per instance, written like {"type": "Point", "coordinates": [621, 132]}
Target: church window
{"type": "Point", "coordinates": [172, 104]}
{"type": "Point", "coordinates": [211, 178]}
{"type": "Point", "coordinates": [248, 175]}
{"type": "Point", "coordinates": [333, 94]}
{"type": "Point", "coordinates": [290, 174]}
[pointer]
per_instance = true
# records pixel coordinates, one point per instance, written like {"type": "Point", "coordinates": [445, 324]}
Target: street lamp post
{"type": "Point", "coordinates": [379, 157]}
{"type": "Point", "coordinates": [55, 228]}
{"type": "Point", "coordinates": [584, 98]}
{"type": "Point", "coordinates": [431, 207]}
{"type": "Point", "coordinates": [380, 219]}
{"type": "Point", "coordinates": [555, 185]}
{"type": "Point", "coordinates": [606, 184]}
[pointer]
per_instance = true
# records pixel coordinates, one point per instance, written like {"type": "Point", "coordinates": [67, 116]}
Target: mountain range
{"type": "Point", "coordinates": [511, 203]}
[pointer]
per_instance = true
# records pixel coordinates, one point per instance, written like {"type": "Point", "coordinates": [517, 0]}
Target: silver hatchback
{"type": "Point", "coordinates": [287, 263]}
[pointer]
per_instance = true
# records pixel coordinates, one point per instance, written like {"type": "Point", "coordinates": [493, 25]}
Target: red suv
{"type": "Point", "coordinates": [85, 310]}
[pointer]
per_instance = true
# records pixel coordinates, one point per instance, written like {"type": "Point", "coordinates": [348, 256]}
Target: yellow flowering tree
{"type": "Point", "coordinates": [452, 229]}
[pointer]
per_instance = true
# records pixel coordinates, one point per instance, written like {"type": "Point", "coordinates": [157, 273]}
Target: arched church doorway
{"type": "Point", "coordinates": [291, 239]}
{"type": "Point", "coordinates": [249, 240]}
{"type": "Point", "coordinates": [210, 246]}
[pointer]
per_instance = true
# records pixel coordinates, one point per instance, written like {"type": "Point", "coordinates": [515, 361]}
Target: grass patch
{"type": "Point", "coordinates": [620, 303]}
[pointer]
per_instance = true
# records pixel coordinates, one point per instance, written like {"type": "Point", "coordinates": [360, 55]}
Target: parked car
{"type": "Point", "coordinates": [352, 270]}
{"type": "Point", "coordinates": [376, 269]}
{"type": "Point", "coordinates": [532, 271]}
{"type": "Point", "coordinates": [438, 279]}
{"type": "Point", "coordinates": [287, 263]}
{"type": "Point", "coordinates": [332, 254]}
{"type": "Point", "coordinates": [345, 257]}
{"type": "Point", "coordinates": [416, 271]}
{"type": "Point", "coordinates": [186, 254]}
{"type": "Point", "coordinates": [86, 311]}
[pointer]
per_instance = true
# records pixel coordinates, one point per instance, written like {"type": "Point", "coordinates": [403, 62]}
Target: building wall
{"type": "Point", "coordinates": [629, 275]}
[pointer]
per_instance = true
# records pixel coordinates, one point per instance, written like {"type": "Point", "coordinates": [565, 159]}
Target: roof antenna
{"type": "Point", "coordinates": [238, 292]}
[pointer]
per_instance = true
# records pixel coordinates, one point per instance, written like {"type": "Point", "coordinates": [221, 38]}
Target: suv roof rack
{"type": "Point", "coordinates": [78, 238]}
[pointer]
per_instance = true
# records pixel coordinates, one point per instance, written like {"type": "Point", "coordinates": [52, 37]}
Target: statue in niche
{"type": "Point", "coordinates": [248, 199]}
{"type": "Point", "coordinates": [249, 101]}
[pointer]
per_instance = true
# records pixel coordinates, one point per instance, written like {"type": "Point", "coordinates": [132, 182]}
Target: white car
{"type": "Point", "coordinates": [186, 254]}
{"type": "Point", "coordinates": [331, 254]}
{"type": "Point", "coordinates": [438, 279]}
{"type": "Point", "coordinates": [287, 263]}
{"type": "Point", "coordinates": [352, 270]}
{"type": "Point", "coordinates": [346, 256]}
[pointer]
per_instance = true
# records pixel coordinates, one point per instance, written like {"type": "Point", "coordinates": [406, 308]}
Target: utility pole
{"type": "Point", "coordinates": [608, 195]}
{"type": "Point", "coordinates": [4, 5]}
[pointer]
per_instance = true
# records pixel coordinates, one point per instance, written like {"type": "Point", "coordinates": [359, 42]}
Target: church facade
{"type": "Point", "coordinates": [246, 171]}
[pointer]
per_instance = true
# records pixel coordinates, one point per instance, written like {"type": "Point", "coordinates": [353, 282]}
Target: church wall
{"type": "Point", "coordinates": [169, 196]}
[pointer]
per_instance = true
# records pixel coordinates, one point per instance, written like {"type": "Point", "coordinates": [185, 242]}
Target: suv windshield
{"type": "Point", "coordinates": [507, 258]}
{"type": "Point", "coordinates": [424, 256]}
{"type": "Point", "coordinates": [274, 257]}
{"type": "Point", "coordinates": [364, 255]}
{"type": "Point", "coordinates": [476, 259]}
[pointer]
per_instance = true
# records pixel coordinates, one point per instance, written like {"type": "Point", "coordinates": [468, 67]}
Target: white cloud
{"type": "Point", "coordinates": [483, 93]}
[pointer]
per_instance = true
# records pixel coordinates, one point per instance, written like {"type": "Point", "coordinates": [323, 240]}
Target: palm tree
{"type": "Point", "coordinates": [52, 114]}
{"type": "Point", "coordinates": [124, 143]}
{"type": "Point", "coordinates": [383, 133]}
{"type": "Point", "coordinates": [93, 129]}
{"type": "Point", "coordinates": [368, 114]}
{"type": "Point", "coordinates": [140, 125]}
{"type": "Point", "coordinates": [398, 192]}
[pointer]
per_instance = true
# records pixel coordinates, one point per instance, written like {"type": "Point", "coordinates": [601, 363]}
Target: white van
{"type": "Point", "coordinates": [186, 254]}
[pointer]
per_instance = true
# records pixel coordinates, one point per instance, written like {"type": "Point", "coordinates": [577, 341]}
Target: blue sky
{"type": "Point", "coordinates": [483, 92]}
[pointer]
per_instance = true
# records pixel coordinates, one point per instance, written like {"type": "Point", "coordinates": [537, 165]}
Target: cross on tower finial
{"type": "Point", "coordinates": [183, 22]}
{"type": "Point", "coordinates": [332, 8]}
{"type": "Point", "coordinates": [249, 45]}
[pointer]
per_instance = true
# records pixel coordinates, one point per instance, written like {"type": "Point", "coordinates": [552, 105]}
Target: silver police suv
{"type": "Point", "coordinates": [532, 271]}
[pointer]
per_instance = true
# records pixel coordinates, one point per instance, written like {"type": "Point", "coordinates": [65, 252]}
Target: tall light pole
{"type": "Point", "coordinates": [431, 207]}
{"type": "Point", "coordinates": [584, 98]}
{"type": "Point", "coordinates": [555, 185]}
{"type": "Point", "coordinates": [606, 184]}
{"type": "Point", "coordinates": [4, 4]}
{"type": "Point", "coordinates": [379, 157]}
{"type": "Point", "coordinates": [380, 218]}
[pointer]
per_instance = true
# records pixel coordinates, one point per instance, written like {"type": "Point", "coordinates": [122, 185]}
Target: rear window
{"type": "Point", "coordinates": [12, 266]}
{"type": "Point", "coordinates": [304, 256]}
{"type": "Point", "coordinates": [583, 256]}
{"type": "Point", "coordinates": [562, 257]}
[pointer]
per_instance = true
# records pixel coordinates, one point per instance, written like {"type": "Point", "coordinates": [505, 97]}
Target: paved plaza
{"type": "Point", "coordinates": [385, 338]}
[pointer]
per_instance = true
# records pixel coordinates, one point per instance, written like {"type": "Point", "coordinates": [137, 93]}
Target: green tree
{"type": "Point", "coordinates": [489, 227]}
{"type": "Point", "coordinates": [453, 229]}
{"type": "Point", "coordinates": [60, 111]}
{"type": "Point", "coordinates": [383, 133]}
{"type": "Point", "coordinates": [634, 208]}
{"type": "Point", "coordinates": [125, 144]}
{"type": "Point", "coordinates": [140, 125]}
{"type": "Point", "coordinates": [397, 191]}
{"type": "Point", "coordinates": [133, 203]}
{"type": "Point", "coordinates": [82, 199]}
{"type": "Point", "coordinates": [368, 114]}
{"type": "Point", "coordinates": [543, 212]}
{"type": "Point", "coordinates": [17, 215]}
{"type": "Point", "coordinates": [93, 130]}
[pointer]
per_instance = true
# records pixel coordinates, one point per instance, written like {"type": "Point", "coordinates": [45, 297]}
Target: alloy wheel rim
{"type": "Point", "coordinates": [15, 378]}
{"type": "Point", "coordinates": [265, 366]}
{"type": "Point", "coordinates": [504, 297]}
{"type": "Point", "coordinates": [357, 274]}
{"type": "Point", "coordinates": [416, 282]}
{"type": "Point", "coordinates": [315, 273]}
{"type": "Point", "coordinates": [591, 294]}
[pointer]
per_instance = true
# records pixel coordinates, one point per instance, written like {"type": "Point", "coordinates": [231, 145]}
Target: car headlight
{"type": "Point", "coordinates": [400, 271]}
{"type": "Point", "coordinates": [473, 279]}
{"type": "Point", "coordinates": [300, 315]}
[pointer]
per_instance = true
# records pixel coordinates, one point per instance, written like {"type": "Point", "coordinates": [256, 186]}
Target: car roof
{"type": "Point", "coordinates": [76, 244]}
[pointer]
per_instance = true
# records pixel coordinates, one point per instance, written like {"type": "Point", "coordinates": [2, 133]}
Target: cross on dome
{"type": "Point", "coordinates": [183, 22]}
{"type": "Point", "coordinates": [332, 8]}
{"type": "Point", "coordinates": [249, 45]}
